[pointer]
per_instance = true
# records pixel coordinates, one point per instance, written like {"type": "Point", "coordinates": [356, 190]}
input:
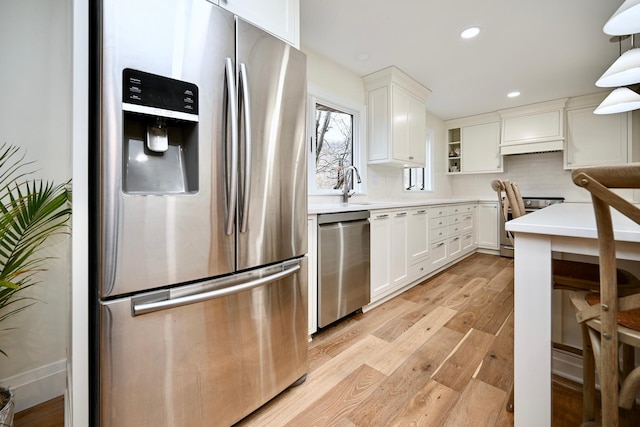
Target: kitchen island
{"type": "Point", "coordinates": [568, 228]}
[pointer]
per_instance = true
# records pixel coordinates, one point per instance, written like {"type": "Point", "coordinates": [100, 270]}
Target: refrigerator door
{"type": "Point", "coordinates": [152, 231]}
{"type": "Point", "coordinates": [209, 355]}
{"type": "Point", "coordinates": [272, 193]}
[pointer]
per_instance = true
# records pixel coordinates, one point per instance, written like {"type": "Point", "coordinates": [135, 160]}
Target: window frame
{"type": "Point", "coordinates": [358, 112]}
{"type": "Point", "coordinates": [428, 167]}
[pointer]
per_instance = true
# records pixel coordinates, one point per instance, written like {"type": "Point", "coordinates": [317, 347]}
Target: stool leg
{"type": "Point", "coordinates": [588, 377]}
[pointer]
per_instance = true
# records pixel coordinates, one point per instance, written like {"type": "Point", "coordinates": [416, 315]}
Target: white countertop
{"type": "Point", "coordinates": [572, 220]}
{"type": "Point", "coordinates": [320, 208]}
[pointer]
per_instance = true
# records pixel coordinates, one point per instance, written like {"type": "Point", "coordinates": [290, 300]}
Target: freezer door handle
{"type": "Point", "coordinates": [245, 107]}
{"type": "Point", "coordinates": [144, 306]}
{"type": "Point", "coordinates": [232, 189]}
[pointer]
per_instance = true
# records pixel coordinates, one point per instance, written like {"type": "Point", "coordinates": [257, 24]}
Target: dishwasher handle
{"type": "Point", "coordinates": [144, 306]}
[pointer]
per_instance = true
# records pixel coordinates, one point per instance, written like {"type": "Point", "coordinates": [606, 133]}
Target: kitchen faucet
{"type": "Point", "coordinates": [345, 186]}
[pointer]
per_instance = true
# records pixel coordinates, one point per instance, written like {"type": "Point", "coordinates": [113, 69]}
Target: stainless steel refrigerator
{"type": "Point", "coordinates": [199, 289]}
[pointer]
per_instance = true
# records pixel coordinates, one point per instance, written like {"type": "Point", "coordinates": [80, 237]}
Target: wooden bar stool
{"type": "Point", "coordinates": [610, 316]}
{"type": "Point", "coordinates": [567, 275]}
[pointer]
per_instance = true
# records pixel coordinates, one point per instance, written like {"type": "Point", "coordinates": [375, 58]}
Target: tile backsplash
{"type": "Point", "coordinates": [537, 175]}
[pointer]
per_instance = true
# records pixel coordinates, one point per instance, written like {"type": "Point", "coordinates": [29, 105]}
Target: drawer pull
{"type": "Point", "coordinates": [421, 211]}
{"type": "Point", "coordinates": [439, 244]}
{"type": "Point", "coordinates": [382, 216]}
{"type": "Point", "coordinates": [401, 214]}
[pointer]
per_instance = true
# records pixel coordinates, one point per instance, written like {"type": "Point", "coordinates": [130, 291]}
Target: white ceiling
{"type": "Point", "coordinates": [546, 49]}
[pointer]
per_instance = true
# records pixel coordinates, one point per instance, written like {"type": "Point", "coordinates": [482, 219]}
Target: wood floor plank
{"type": "Point", "coordinates": [479, 405]}
{"type": "Point", "coordinates": [464, 295]}
{"type": "Point", "coordinates": [502, 280]}
{"type": "Point", "coordinates": [334, 407]}
{"type": "Point", "coordinates": [494, 316]}
{"type": "Point", "coordinates": [459, 368]}
{"type": "Point", "coordinates": [393, 329]}
{"type": "Point", "coordinates": [389, 399]}
{"type": "Point", "coordinates": [410, 341]}
{"type": "Point", "coordinates": [336, 339]}
{"type": "Point", "coordinates": [429, 407]}
{"type": "Point", "coordinates": [473, 311]}
{"type": "Point", "coordinates": [286, 406]}
{"type": "Point", "coordinates": [497, 365]}
{"type": "Point", "coordinates": [439, 285]}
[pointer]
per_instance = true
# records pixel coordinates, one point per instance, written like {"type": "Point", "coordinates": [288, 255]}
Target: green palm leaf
{"type": "Point", "coordinates": [31, 211]}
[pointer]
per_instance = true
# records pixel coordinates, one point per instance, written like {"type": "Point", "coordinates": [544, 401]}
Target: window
{"type": "Point", "coordinates": [420, 179]}
{"type": "Point", "coordinates": [335, 144]}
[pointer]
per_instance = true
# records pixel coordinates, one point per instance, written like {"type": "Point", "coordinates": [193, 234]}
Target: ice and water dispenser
{"type": "Point", "coordinates": [160, 151]}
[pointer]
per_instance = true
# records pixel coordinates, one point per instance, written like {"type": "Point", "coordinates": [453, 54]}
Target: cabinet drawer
{"type": "Point", "coordinates": [438, 222]}
{"type": "Point", "coordinates": [438, 254]}
{"type": "Point", "coordinates": [467, 221]}
{"type": "Point", "coordinates": [420, 269]}
{"type": "Point", "coordinates": [454, 219]}
{"type": "Point", "coordinates": [439, 211]}
{"type": "Point", "coordinates": [454, 247]}
{"type": "Point", "coordinates": [454, 229]}
{"type": "Point", "coordinates": [438, 234]}
{"type": "Point", "coordinates": [455, 209]}
{"type": "Point", "coordinates": [467, 242]}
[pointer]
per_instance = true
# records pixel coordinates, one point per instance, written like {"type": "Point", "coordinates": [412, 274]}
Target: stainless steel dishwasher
{"type": "Point", "coordinates": [343, 264]}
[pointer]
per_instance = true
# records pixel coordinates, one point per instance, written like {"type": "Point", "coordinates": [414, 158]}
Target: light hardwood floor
{"type": "Point", "coordinates": [440, 354]}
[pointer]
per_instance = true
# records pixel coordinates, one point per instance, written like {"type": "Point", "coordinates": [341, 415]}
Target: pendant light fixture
{"type": "Point", "coordinates": [624, 71]}
{"type": "Point", "coordinates": [626, 20]}
{"type": "Point", "coordinates": [620, 100]}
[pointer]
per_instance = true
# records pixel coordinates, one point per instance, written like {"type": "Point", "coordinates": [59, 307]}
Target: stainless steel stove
{"type": "Point", "coordinates": [531, 204]}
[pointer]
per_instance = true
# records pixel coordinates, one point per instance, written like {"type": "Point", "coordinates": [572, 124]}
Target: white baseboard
{"type": "Point", "coordinates": [39, 385]}
{"type": "Point", "coordinates": [567, 365]}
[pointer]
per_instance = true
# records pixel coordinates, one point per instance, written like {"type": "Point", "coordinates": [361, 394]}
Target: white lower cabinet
{"type": "Point", "coordinates": [399, 264]}
{"type": "Point", "coordinates": [409, 244]}
{"type": "Point", "coordinates": [312, 277]}
{"type": "Point", "coordinates": [380, 253]}
{"type": "Point", "coordinates": [418, 242]}
{"type": "Point", "coordinates": [488, 225]}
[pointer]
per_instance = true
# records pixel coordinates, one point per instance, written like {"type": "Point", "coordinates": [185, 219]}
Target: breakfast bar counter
{"type": "Point", "coordinates": [560, 228]}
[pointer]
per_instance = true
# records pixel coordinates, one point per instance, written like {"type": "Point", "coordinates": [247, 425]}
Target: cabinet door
{"type": "Point", "coordinates": [418, 238]}
{"type": "Point", "coordinates": [480, 149]}
{"type": "Point", "coordinates": [488, 225]}
{"type": "Point", "coordinates": [595, 139]}
{"type": "Point", "coordinates": [279, 17]}
{"type": "Point", "coordinates": [378, 125]}
{"type": "Point", "coordinates": [401, 116]}
{"type": "Point", "coordinates": [399, 264]}
{"type": "Point", "coordinates": [454, 248]}
{"type": "Point", "coordinates": [417, 131]}
{"type": "Point", "coordinates": [380, 254]}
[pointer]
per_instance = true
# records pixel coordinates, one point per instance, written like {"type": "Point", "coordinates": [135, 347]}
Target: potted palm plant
{"type": "Point", "coordinates": [31, 211]}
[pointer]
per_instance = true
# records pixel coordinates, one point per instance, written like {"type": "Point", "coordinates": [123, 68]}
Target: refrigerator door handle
{"type": "Point", "coordinates": [246, 108]}
{"type": "Point", "coordinates": [233, 108]}
{"type": "Point", "coordinates": [143, 306]}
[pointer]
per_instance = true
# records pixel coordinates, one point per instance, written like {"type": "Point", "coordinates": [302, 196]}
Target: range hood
{"type": "Point", "coordinates": [533, 128]}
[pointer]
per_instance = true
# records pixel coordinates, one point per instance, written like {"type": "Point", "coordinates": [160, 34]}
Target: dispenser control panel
{"type": "Point", "coordinates": [158, 92]}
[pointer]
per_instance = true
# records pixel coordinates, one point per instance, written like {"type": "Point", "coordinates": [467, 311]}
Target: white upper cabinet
{"type": "Point", "coordinates": [279, 17]}
{"type": "Point", "coordinates": [594, 139]}
{"type": "Point", "coordinates": [396, 119]}
{"type": "Point", "coordinates": [473, 145]}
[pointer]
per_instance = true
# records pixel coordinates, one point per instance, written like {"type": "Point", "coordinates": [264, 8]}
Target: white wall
{"type": "Point", "coordinates": [35, 113]}
{"type": "Point", "coordinates": [383, 182]}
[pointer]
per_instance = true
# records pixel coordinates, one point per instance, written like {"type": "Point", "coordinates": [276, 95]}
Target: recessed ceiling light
{"type": "Point", "coordinates": [513, 94]}
{"type": "Point", "coordinates": [363, 56]}
{"type": "Point", "coordinates": [470, 32]}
